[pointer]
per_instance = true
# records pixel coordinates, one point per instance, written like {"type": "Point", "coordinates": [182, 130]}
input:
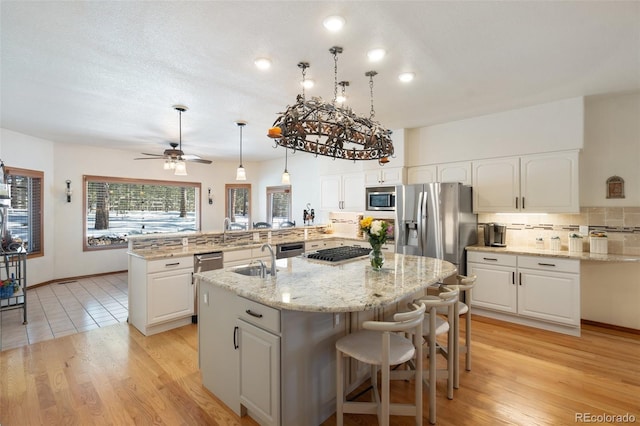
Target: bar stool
{"type": "Point", "coordinates": [379, 345]}
{"type": "Point", "coordinates": [433, 327]}
{"type": "Point", "coordinates": [464, 286]}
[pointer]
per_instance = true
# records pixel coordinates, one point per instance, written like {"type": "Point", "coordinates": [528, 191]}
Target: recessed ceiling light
{"type": "Point", "coordinates": [308, 83]}
{"type": "Point", "coordinates": [334, 23]}
{"type": "Point", "coordinates": [263, 63]}
{"type": "Point", "coordinates": [376, 54]}
{"type": "Point", "coordinates": [406, 77]}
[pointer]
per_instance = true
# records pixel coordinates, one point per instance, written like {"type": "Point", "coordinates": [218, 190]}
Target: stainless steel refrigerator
{"type": "Point", "coordinates": [436, 220]}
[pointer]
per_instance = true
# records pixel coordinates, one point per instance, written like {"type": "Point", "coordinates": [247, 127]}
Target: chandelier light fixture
{"type": "Point", "coordinates": [323, 128]}
{"type": "Point", "coordinates": [240, 173]}
{"type": "Point", "coordinates": [286, 179]}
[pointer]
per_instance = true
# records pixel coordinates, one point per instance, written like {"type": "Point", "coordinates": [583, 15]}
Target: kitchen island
{"type": "Point", "coordinates": [267, 345]}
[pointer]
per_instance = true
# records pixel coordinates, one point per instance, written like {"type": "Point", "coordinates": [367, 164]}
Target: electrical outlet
{"type": "Point", "coordinates": [256, 236]}
{"type": "Point", "coordinates": [185, 241]}
{"type": "Point", "coordinates": [583, 229]}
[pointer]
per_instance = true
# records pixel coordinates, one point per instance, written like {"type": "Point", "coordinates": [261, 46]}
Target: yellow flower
{"type": "Point", "coordinates": [365, 223]}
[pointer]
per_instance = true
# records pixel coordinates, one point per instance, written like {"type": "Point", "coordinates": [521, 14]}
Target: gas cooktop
{"type": "Point", "coordinates": [338, 254]}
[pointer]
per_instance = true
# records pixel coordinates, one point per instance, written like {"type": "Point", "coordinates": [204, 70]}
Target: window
{"type": "Point", "coordinates": [118, 207]}
{"type": "Point", "coordinates": [24, 216]}
{"type": "Point", "coordinates": [237, 204]}
{"type": "Point", "coordinates": [278, 204]}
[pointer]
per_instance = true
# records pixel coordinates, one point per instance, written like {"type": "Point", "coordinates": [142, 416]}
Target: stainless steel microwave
{"type": "Point", "coordinates": [381, 198]}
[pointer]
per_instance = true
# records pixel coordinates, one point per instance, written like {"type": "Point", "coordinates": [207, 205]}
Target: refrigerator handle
{"type": "Point", "coordinates": [422, 224]}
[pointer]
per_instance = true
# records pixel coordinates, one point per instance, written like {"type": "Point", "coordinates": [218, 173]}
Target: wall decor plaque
{"type": "Point", "coordinates": [615, 187]}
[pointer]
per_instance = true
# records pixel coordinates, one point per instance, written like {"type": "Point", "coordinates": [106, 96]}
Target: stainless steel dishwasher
{"type": "Point", "coordinates": [204, 262]}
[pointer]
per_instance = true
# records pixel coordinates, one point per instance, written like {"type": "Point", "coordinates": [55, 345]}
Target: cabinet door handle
{"type": "Point", "coordinates": [253, 314]}
{"type": "Point", "coordinates": [522, 203]}
{"type": "Point", "coordinates": [513, 278]}
{"type": "Point", "coordinates": [235, 337]}
{"type": "Point", "coordinates": [520, 278]}
{"type": "Point", "coordinates": [546, 264]}
{"type": "Point", "coordinates": [516, 202]}
{"type": "Point", "coordinates": [490, 258]}
{"type": "Point", "coordinates": [172, 264]}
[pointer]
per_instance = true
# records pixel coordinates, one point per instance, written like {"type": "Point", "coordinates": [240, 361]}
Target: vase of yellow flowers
{"type": "Point", "coordinates": [377, 232]}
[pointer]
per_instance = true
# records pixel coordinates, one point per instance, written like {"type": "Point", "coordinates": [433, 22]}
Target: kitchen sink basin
{"type": "Point", "coordinates": [250, 270]}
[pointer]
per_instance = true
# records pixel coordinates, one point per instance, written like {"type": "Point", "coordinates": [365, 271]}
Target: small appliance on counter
{"type": "Point", "coordinates": [495, 235]}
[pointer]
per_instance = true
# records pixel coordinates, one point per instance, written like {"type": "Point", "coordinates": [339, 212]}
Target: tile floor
{"type": "Point", "coordinates": [64, 308]}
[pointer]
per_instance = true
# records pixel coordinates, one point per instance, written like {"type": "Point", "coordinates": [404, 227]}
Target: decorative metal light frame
{"type": "Point", "coordinates": [330, 130]}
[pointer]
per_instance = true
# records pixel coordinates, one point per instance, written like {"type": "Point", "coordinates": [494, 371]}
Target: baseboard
{"type": "Point", "coordinates": [610, 326]}
{"type": "Point", "coordinates": [64, 280]}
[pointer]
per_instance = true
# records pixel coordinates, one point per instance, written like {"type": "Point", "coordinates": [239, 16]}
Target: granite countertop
{"type": "Point", "coordinates": [306, 285]}
{"type": "Point", "coordinates": [191, 249]}
{"type": "Point", "coordinates": [560, 254]}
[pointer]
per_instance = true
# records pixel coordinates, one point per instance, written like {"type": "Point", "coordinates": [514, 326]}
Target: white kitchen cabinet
{"type": "Point", "coordinates": [386, 176]}
{"type": "Point", "coordinates": [243, 343]}
{"type": "Point", "coordinates": [342, 192]}
{"type": "Point", "coordinates": [422, 174]}
{"type": "Point", "coordinates": [495, 286]}
{"type": "Point", "coordinates": [455, 172]}
{"type": "Point", "coordinates": [549, 289]}
{"type": "Point", "coordinates": [242, 257]}
{"type": "Point", "coordinates": [161, 293]}
{"type": "Point", "coordinates": [218, 343]}
{"type": "Point", "coordinates": [259, 372]}
{"type": "Point", "coordinates": [532, 290]}
{"type": "Point", "coordinates": [445, 172]}
{"type": "Point", "coordinates": [319, 245]}
{"type": "Point", "coordinates": [540, 183]}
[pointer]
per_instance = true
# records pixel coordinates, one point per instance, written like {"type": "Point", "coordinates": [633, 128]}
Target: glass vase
{"type": "Point", "coordinates": [376, 258]}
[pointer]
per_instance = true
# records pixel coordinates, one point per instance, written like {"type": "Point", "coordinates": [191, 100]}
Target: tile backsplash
{"type": "Point", "coordinates": [622, 225]}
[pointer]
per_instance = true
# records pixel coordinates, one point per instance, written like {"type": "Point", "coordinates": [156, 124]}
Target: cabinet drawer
{"type": "Point", "coordinates": [169, 264]}
{"type": "Point", "coordinates": [258, 314]}
{"type": "Point", "coordinates": [549, 264]}
{"type": "Point", "coordinates": [491, 258]}
{"type": "Point", "coordinates": [234, 255]}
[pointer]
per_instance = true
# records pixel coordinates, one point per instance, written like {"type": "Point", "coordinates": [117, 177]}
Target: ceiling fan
{"type": "Point", "coordinates": [175, 155]}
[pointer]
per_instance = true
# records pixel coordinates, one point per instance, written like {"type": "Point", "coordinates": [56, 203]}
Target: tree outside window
{"type": "Point", "coordinates": [116, 208]}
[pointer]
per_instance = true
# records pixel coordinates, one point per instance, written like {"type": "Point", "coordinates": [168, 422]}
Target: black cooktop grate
{"type": "Point", "coordinates": [337, 254]}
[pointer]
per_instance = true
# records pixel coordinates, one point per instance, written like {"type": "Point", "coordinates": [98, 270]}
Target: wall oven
{"type": "Point", "coordinates": [381, 198]}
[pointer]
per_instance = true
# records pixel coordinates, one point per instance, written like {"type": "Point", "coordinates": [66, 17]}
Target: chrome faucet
{"type": "Point", "coordinates": [263, 269]}
{"type": "Point", "coordinates": [273, 258]}
{"type": "Point", "coordinates": [225, 226]}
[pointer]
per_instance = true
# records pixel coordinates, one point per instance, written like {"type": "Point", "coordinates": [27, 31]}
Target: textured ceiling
{"type": "Point", "coordinates": [106, 73]}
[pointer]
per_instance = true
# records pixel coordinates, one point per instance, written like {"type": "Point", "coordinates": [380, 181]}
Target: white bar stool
{"type": "Point", "coordinates": [379, 345]}
{"type": "Point", "coordinates": [432, 328]}
{"type": "Point", "coordinates": [464, 286]}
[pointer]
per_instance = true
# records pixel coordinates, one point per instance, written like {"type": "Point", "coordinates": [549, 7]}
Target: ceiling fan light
{"type": "Point", "coordinates": [334, 23]}
{"type": "Point", "coordinates": [240, 173]}
{"type": "Point", "coordinates": [180, 168]}
{"type": "Point", "coordinates": [167, 165]}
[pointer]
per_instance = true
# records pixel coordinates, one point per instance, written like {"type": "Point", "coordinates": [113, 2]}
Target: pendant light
{"type": "Point", "coordinates": [286, 179]}
{"type": "Point", "coordinates": [240, 173]}
{"type": "Point", "coordinates": [179, 166]}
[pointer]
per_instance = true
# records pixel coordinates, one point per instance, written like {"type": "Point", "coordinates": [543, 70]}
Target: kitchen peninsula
{"type": "Point", "coordinates": [267, 345]}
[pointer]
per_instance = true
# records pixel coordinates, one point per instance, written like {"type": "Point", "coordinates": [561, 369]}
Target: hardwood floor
{"type": "Point", "coordinates": [115, 375]}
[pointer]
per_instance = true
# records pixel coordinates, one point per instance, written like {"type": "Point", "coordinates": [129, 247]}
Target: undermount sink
{"type": "Point", "coordinates": [250, 270]}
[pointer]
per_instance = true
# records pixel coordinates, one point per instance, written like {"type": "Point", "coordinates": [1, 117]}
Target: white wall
{"type": "Point", "coordinates": [611, 147]}
{"type": "Point", "coordinates": [26, 152]}
{"type": "Point", "coordinates": [304, 171]}
{"type": "Point", "coordinates": [554, 126]}
{"type": "Point", "coordinates": [63, 222]}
